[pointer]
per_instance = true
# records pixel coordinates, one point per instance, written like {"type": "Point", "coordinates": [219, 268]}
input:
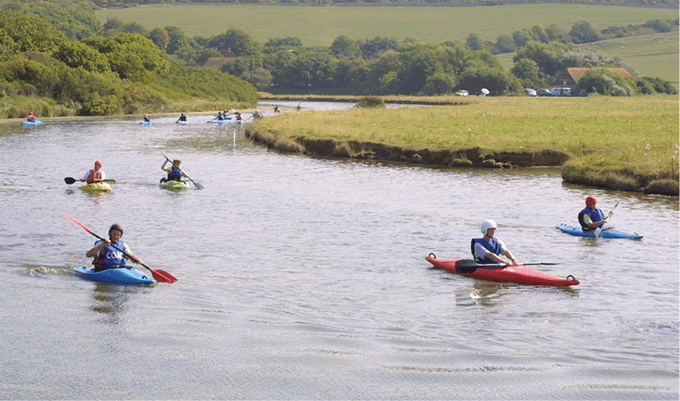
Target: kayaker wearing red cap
{"type": "Point", "coordinates": [174, 170]}
{"type": "Point", "coordinates": [106, 255]}
{"type": "Point", "coordinates": [30, 117]}
{"type": "Point", "coordinates": [488, 250]}
{"type": "Point", "coordinates": [146, 118]}
{"type": "Point", "coordinates": [96, 174]}
{"type": "Point", "coordinates": [591, 217]}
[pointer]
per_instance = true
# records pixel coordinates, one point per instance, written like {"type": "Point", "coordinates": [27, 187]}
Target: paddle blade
{"type": "Point", "coordinates": [69, 180]}
{"type": "Point", "coordinates": [109, 181]}
{"type": "Point", "coordinates": [162, 276]}
{"type": "Point", "coordinates": [199, 186]}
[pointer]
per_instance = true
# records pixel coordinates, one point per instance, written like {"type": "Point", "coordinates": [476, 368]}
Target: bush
{"type": "Point", "coordinates": [371, 102]}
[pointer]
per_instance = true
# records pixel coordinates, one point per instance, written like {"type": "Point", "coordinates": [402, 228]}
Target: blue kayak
{"type": "Point", "coordinates": [36, 122]}
{"type": "Point", "coordinates": [226, 120]}
{"type": "Point", "coordinates": [119, 275]}
{"type": "Point", "coordinates": [612, 233]}
{"type": "Point", "coordinates": [145, 122]}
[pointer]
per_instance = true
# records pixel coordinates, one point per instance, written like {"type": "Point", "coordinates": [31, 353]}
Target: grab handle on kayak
{"type": "Point", "coordinates": [572, 277]}
{"type": "Point", "coordinates": [432, 255]}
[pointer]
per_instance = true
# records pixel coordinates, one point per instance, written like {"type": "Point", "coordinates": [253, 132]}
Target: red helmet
{"type": "Point", "coordinates": [590, 200]}
{"type": "Point", "coordinates": [177, 161]}
{"type": "Point", "coordinates": [98, 163]}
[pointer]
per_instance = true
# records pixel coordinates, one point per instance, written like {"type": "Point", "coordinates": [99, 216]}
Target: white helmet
{"type": "Point", "coordinates": [487, 225]}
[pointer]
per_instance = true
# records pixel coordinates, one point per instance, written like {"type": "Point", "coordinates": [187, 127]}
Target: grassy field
{"type": "Point", "coordinates": [652, 56]}
{"type": "Point", "coordinates": [633, 139]}
{"type": "Point", "coordinates": [319, 26]}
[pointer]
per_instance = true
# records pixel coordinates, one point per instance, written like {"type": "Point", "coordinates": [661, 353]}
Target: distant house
{"type": "Point", "coordinates": [569, 77]}
{"type": "Point", "coordinates": [216, 62]}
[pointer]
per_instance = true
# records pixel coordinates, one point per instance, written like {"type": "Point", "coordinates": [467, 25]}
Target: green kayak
{"type": "Point", "coordinates": [175, 185]}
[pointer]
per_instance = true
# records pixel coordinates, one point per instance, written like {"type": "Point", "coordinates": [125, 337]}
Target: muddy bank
{"type": "Point", "coordinates": [475, 157]}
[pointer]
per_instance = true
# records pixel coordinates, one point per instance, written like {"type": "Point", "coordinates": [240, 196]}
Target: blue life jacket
{"type": "Point", "coordinates": [175, 175]}
{"type": "Point", "coordinates": [492, 246]}
{"type": "Point", "coordinates": [595, 215]}
{"type": "Point", "coordinates": [109, 256]}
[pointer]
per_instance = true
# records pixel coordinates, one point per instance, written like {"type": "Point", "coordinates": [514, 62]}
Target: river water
{"type": "Point", "coordinates": [305, 278]}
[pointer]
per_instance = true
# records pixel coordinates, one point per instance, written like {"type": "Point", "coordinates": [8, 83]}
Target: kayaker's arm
{"type": "Point", "coordinates": [591, 224]}
{"type": "Point", "coordinates": [94, 251]}
{"type": "Point", "coordinates": [511, 257]}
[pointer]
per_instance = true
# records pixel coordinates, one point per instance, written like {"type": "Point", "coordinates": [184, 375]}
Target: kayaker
{"type": "Point", "coordinates": [238, 116]}
{"type": "Point", "coordinates": [591, 217]}
{"type": "Point", "coordinates": [220, 115]}
{"type": "Point", "coordinates": [174, 170]}
{"type": "Point", "coordinates": [488, 250]}
{"type": "Point", "coordinates": [105, 253]}
{"type": "Point", "coordinates": [31, 117]}
{"type": "Point", "coordinates": [182, 117]}
{"type": "Point", "coordinates": [257, 115]}
{"type": "Point", "coordinates": [146, 118]}
{"type": "Point", "coordinates": [276, 109]}
{"type": "Point", "coordinates": [96, 174]}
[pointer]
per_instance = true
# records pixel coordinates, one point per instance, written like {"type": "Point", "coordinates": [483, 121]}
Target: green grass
{"type": "Point", "coordinates": [319, 26]}
{"type": "Point", "coordinates": [638, 135]}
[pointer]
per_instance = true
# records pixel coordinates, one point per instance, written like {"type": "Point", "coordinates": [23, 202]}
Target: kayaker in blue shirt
{"type": "Point", "coordinates": [488, 250]}
{"type": "Point", "coordinates": [174, 170]}
{"type": "Point", "coordinates": [591, 217]}
{"type": "Point", "coordinates": [105, 253]}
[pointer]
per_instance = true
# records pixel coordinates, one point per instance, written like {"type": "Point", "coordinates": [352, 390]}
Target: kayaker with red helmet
{"type": "Point", "coordinates": [147, 119]}
{"type": "Point", "coordinates": [488, 250]}
{"type": "Point", "coordinates": [174, 171]}
{"type": "Point", "coordinates": [105, 254]}
{"type": "Point", "coordinates": [591, 217]}
{"type": "Point", "coordinates": [96, 174]}
{"type": "Point", "coordinates": [30, 117]}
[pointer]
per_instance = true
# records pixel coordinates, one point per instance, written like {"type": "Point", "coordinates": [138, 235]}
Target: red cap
{"type": "Point", "coordinates": [98, 163]}
{"type": "Point", "coordinates": [590, 200]}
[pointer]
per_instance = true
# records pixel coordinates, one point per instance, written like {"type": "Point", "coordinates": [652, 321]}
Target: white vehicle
{"type": "Point", "coordinates": [561, 91]}
{"type": "Point", "coordinates": [461, 92]}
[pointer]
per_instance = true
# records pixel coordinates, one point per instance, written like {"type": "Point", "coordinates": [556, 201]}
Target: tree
{"type": "Point", "coordinates": [605, 82]}
{"type": "Point", "coordinates": [497, 81]}
{"type": "Point", "coordinates": [521, 38]}
{"type": "Point", "coordinates": [160, 37]}
{"type": "Point", "coordinates": [555, 34]}
{"type": "Point", "coordinates": [312, 69]}
{"type": "Point", "coordinates": [539, 34]}
{"type": "Point", "coordinates": [659, 25]}
{"type": "Point", "coordinates": [77, 54]}
{"type": "Point", "coordinates": [439, 84]}
{"type": "Point", "coordinates": [277, 44]}
{"type": "Point", "coordinates": [474, 42]}
{"type": "Point", "coordinates": [505, 44]}
{"type": "Point", "coordinates": [546, 55]}
{"type": "Point", "coordinates": [177, 39]}
{"type": "Point", "coordinates": [344, 46]}
{"type": "Point", "coordinates": [373, 48]}
{"type": "Point", "coordinates": [583, 32]}
{"type": "Point", "coordinates": [236, 40]}
{"type": "Point", "coordinates": [528, 71]}
{"type": "Point", "coordinates": [31, 33]}
{"type": "Point", "coordinates": [416, 66]}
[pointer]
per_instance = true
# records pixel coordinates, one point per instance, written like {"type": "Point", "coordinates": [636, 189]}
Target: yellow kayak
{"type": "Point", "coordinates": [96, 187]}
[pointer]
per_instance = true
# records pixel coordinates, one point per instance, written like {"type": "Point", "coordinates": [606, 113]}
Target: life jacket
{"type": "Point", "coordinates": [109, 256]}
{"type": "Point", "coordinates": [595, 215]}
{"type": "Point", "coordinates": [220, 116]}
{"type": "Point", "coordinates": [182, 118]}
{"type": "Point", "coordinates": [30, 118]}
{"type": "Point", "coordinates": [175, 175]}
{"type": "Point", "coordinates": [94, 176]}
{"type": "Point", "coordinates": [492, 246]}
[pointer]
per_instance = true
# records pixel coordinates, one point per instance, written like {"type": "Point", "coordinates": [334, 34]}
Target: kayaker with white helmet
{"type": "Point", "coordinates": [591, 217]}
{"type": "Point", "coordinates": [488, 250]}
{"type": "Point", "coordinates": [174, 171]}
{"type": "Point", "coordinates": [147, 119]}
{"type": "Point", "coordinates": [96, 174]}
{"type": "Point", "coordinates": [105, 253]}
{"type": "Point", "coordinates": [182, 117]}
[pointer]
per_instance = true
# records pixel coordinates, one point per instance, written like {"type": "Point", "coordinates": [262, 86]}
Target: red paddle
{"type": "Point", "coordinates": [158, 275]}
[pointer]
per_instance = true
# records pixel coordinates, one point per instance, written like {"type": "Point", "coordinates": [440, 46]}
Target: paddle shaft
{"type": "Point", "coordinates": [598, 231]}
{"type": "Point", "coordinates": [199, 186]}
{"type": "Point", "coordinates": [71, 180]}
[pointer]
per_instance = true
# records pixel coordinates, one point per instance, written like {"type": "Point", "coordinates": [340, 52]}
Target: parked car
{"type": "Point", "coordinates": [530, 92]}
{"type": "Point", "coordinates": [561, 91]}
{"type": "Point", "coordinates": [461, 92]}
{"type": "Point", "coordinates": [544, 92]}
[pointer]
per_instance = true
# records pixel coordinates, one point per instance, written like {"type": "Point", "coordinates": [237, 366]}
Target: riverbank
{"type": "Point", "coordinates": [628, 144]}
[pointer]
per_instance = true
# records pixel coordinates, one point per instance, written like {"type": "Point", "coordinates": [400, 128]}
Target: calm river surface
{"type": "Point", "coordinates": [305, 278]}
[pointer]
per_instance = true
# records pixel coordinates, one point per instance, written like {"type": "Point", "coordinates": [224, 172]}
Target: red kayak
{"type": "Point", "coordinates": [510, 274]}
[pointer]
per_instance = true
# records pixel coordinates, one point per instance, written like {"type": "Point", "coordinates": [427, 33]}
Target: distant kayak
{"type": "Point", "coordinates": [226, 120]}
{"type": "Point", "coordinates": [119, 275]}
{"type": "Point", "coordinates": [36, 122]}
{"type": "Point", "coordinates": [174, 185]}
{"type": "Point", "coordinates": [181, 122]}
{"type": "Point", "coordinates": [613, 233]}
{"type": "Point", "coordinates": [96, 187]}
{"type": "Point", "coordinates": [510, 274]}
{"type": "Point", "coordinates": [146, 122]}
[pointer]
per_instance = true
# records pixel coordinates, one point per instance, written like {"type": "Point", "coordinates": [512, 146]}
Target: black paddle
{"type": "Point", "coordinates": [71, 180]}
{"type": "Point", "coordinates": [466, 266]}
{"type": "Point", "coordinates": [158, 275]}
{"type": "Point", "coordinates": [199, 186]}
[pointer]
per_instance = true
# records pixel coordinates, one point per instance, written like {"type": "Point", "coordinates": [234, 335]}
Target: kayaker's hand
{"type": "Point", "coordinates": [104, 244]}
